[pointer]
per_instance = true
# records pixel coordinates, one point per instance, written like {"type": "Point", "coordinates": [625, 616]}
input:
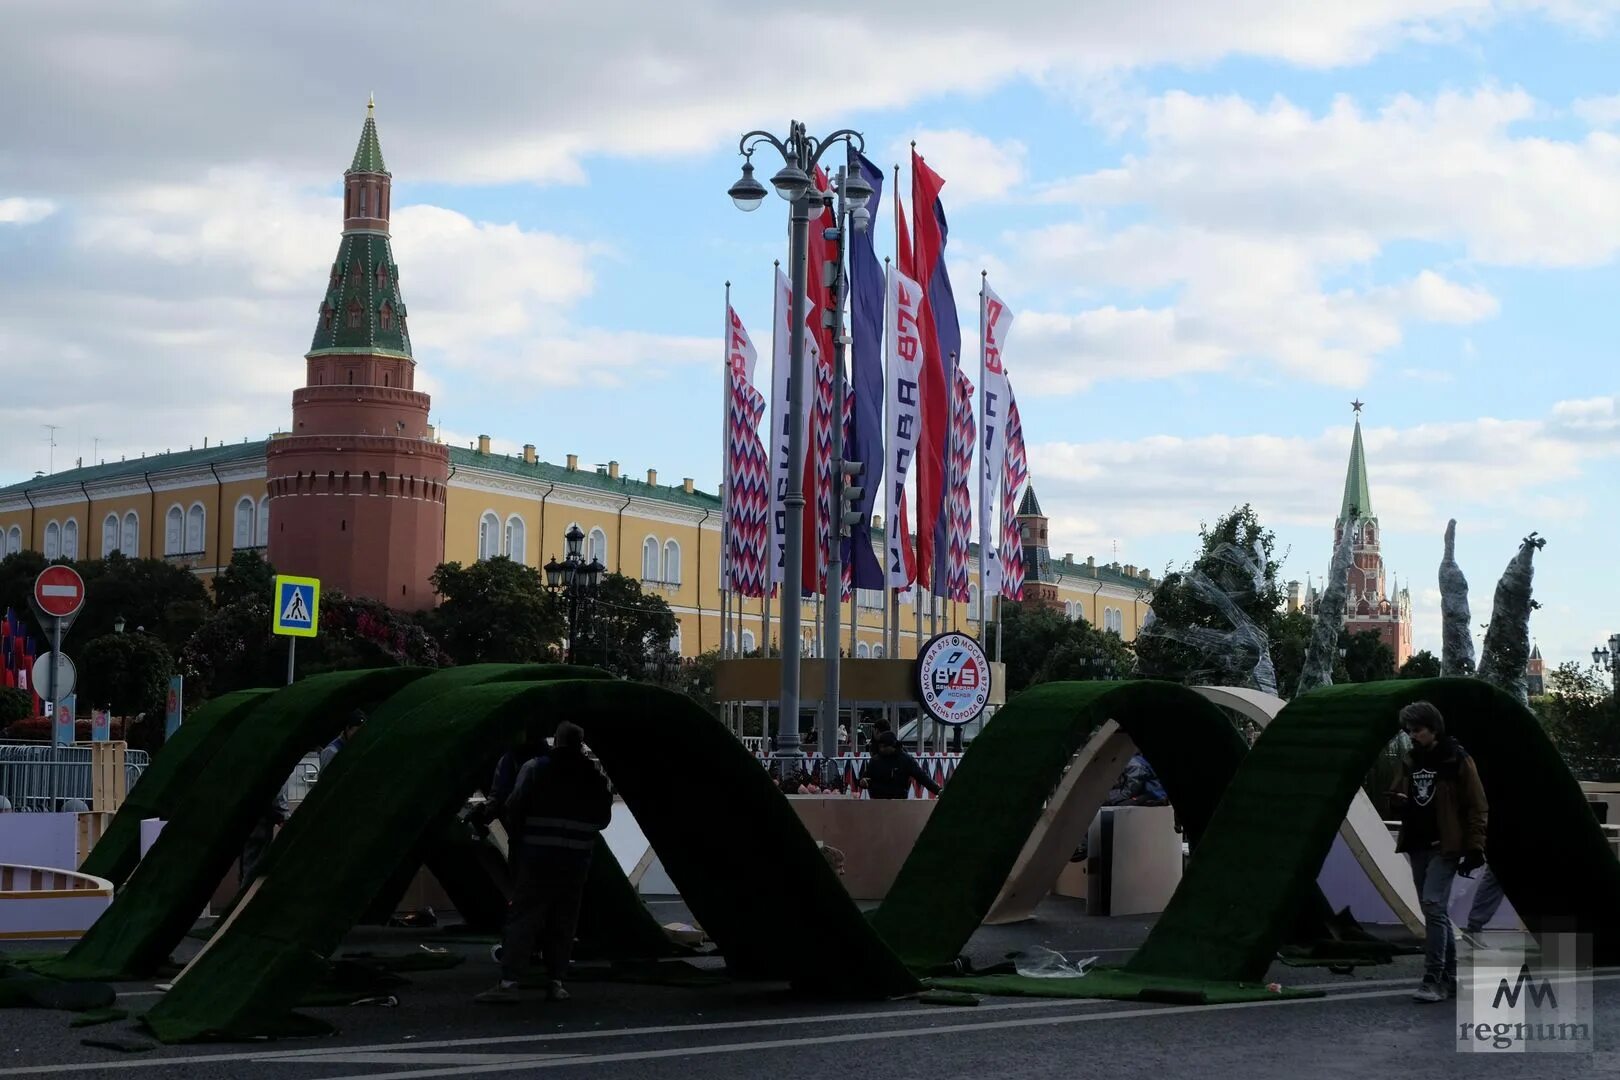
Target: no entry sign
{"type": "Point", "coordinates": [59, 592]}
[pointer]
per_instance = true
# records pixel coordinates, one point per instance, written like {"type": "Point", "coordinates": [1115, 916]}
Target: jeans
{"type": "Point", "coordinates": [544, 910]}
{"type": "Point", "coordinates": [1433, 874]}
{"type": "Point", "coordinates": [1487, 898]}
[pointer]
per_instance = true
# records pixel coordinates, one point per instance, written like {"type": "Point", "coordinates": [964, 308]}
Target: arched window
{"type": "Point", "coordinates": [861, 651]}
{"type": "Point", "coordinates": [672, 563]}
{"type": "Point", "coordinates": [109, 535]}
{"type": "Point", "coordinates": [748, 642]}
{"type": "Point", "coordinates": [489, 535]}
{"type": "Point", "coordinates": [174, 531]}
{"type": "Point", "coordinates": [355, 311]}
{"type": "Point", "coordinates": [675, 640]}
{"type": "Point", "coordinates": [53, 541]}
{"type": "Point", "coordinates": [597, 546]}
{"type": "Point", "coordinates": [70, 538]}
{"type": "Point", "coordinates": [973, 603]}
{"type": "Point", "coordinates": [877, 652]}
{"type": "Point", "coordinates": [516, 539]}
{"type": "Point", "coordinates": [13, 540]}
{"type": "Point", "coordinates": [196, 529]}
{"type": "Point", "coordinates": [262, 537]}
{"type": "Point", "coordinates": [129, 542]}
{"type": "Point", "coordinates": [246, 526]}
{"type": "Point", "coordinates": [649, 559]}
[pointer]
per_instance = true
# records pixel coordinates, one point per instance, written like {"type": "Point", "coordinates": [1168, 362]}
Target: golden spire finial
{"type": "Point", "coordinates": [371, 103]}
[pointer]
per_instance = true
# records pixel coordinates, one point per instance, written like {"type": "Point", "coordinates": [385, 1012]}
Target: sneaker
{"type": "Point", "coordinates": [1429, 991]}
{"type": "Point", "coordinates": [502, 993]}
{"type": "Point", "coordinates": [1449, 985]}
{"type": "Point", "coordinates": [555, 991]}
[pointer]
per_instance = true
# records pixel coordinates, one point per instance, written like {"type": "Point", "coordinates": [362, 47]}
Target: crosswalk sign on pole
{"type": "Point", "coordinates": [297, 611]}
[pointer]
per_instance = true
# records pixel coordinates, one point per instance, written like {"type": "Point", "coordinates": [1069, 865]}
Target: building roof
{"type": "Point", "coordinates": [544, 471]}
{"type": "Point", "coordinates": [368, 155]}
{"type": "Point", "coordinates": [1357, 496]}
{"type": "Point", "coordinates": [1030, 506]}
{"type": "Point", "coordinates": [222, 454]}
{"type": "Point", "coordinates": [362, 289]}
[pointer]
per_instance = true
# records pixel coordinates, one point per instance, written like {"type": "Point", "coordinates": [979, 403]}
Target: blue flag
{"type": "Point", "coordinates": [864, 440]}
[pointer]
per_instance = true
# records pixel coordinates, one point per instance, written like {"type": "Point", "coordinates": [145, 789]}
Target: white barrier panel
{"type": "Point", "coordinates": [40, 839]}
{"type": "Point", "coordinates": [150, 827]}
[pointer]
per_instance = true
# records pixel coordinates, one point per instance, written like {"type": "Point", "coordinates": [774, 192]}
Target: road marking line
{"type": "Point", "coordinates": [335, 1057]}
{"type": "Point", "coordinates": [668, 1029]}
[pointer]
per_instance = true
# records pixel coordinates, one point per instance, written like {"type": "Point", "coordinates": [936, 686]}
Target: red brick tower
{"type": "Point", "coordinates": [357, 487]}
{"type": "Point", "coordinates": [1369, 605]}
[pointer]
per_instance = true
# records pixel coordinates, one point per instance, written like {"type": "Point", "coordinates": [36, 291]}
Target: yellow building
{"type": "Point", "coordinates": [196, 507]}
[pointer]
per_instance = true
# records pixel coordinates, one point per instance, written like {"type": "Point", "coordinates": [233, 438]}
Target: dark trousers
{"type": "Point", "coordinates": [544, 910]}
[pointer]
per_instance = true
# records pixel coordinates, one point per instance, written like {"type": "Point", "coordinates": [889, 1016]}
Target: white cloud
{"type": "Point", "coordinates": [1600, 112]}
{"type": "Point", "coordinates": [20, 211]}
{"type": "Point", "coordinates": [540, 89]}
{"type": "Point", "coordinates": [976, 168]}
{"type": "Point", "coordinates": [1448, 170]}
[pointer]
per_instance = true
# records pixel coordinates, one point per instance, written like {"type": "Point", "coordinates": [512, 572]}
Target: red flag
{"type": "Point", "coordinates": [941, 343]}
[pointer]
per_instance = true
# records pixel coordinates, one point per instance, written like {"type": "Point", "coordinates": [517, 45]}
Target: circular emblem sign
{"type": "Point", "coordinates": [953, 678]}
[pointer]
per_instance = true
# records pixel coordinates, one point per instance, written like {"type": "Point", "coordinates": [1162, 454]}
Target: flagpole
{"type": "Point", "coordinates": [726, 466]}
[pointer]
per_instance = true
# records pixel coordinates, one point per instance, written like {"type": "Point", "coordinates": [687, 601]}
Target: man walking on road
{"type": "Point", "coordinates": [558, 805]}
{"type": "Point", "coordinates": [891, 770]}
{"type": "Point", "coordinates": [1443, 814]}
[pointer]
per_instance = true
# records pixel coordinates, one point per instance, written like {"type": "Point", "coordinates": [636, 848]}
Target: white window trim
{"type": "Point", "coordinates": [657, 560]}
{"type": "Point", "coordinates": [489, 515]}
{"type": "Point", "coordinates": [590, 544]}
{"type": "Point", "coordinates": [13, 540]}
{"type": "Point", "coordinates": [52, 556]}
{"type": "Point", "coordinates": [202, 538]}
{"type": "Point", "coordinates": [116, 522]}
{"type": "Point", "coordinates": [520, 555]}
{"type": "Point", "coordinates": [261, 527]}
{"type": "Point", "coordinates": [179, 546]}
{"type": "Point", "coordinates": [130, 544]}
{"type": "Point", "coordinates": [239, 542]}
{"type": "Point", "coordinates": [669, 578]}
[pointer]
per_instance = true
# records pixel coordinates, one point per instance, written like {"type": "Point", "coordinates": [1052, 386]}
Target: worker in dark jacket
{"type": "Point", "coordinates": [1443, 812]}
{"type": "Point", "coordinates": [558, 805]}
{"type": "Point", "coordinates": [891, 770]}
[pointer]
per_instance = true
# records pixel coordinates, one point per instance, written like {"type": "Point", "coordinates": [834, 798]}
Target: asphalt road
{"type": "Point", "coordinates": [1364, 1028]}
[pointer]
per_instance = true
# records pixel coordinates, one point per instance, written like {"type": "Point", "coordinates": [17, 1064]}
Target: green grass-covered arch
{"type": "Point", "coordinates": [1269, 836]}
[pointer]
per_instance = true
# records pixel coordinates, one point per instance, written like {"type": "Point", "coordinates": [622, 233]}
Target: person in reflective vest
{"type": "Point", "coordinates": [558, 805]}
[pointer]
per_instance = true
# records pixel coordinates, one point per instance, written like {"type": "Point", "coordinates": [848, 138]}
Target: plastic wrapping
{"type": "Point", "coordinates": [1506, 655]}
{"type": "Point", "coordinates": [1240, 653]}
{"type": "Point", "coordinates": [1456, 622]}
{"type": "Point", "coordinates": [1320, 651]}
{"type": "Point", "coordinates": [1039, 962]}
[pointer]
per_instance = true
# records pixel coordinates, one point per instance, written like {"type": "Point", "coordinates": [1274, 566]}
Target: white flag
{"type": "Point", "coordinates": [781, 371]}
{"type": "Point", "coordinates": [904, 344]}
{"type": "Point", "coordinates": [994, 397]}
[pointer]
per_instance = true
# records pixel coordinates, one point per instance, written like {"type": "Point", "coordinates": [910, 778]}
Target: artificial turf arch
{"type": "Point", "coordinates": [1273, 828]}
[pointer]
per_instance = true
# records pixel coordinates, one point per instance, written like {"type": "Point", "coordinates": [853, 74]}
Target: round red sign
{"type": "Point", "coordinates": [59, 591]}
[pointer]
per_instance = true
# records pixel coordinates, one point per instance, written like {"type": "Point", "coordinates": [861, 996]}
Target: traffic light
{"type": "Point", "coordinates": [850, 493]}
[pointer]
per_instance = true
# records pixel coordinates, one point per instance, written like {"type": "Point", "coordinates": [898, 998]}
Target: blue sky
{"type": "Point", "coordinates": [1216, 228]}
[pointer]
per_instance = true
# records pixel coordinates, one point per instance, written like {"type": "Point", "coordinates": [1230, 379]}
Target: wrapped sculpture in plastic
{"type": "Point", "coordinates": [1506, 655]}
{"type": "Point", "coordinates": [1238, 651]}
{"type": "Point", "coordinates": [1456, 622]}
{"type": "Point", "coordinates": [1323, 648]}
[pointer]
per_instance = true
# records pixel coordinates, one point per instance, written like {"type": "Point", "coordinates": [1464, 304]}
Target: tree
{"type": "Point", "coordinates": [1580, 716]}
{"type": "Point", "coordinates": [127, 673]}
{"type": "Point", "coordinates": [1422, 664]}
{"type": "Point", "coordinates": [1040, 644]}
{"type": "Point", "coordinates": [1367, 658]}
{"type": "Point", "coordinates": [1192, 639]}
{"type": "Point", "coordinates": [627, 631]}
{"type": "Point", "coordinates": [234, 648]}
{"type": "Point", "coordinates": [248, 577]}
{"type": "Point", "coordinates": [167, 601]}
{"type": "Point", "coordinates": [494, 611]}
{"type": "Point", "coordinates": [15, 705]}
{"type": "Point", "coordinates": [1290, 636]}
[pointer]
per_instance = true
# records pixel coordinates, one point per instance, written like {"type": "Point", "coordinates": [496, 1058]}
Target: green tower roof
{"type": "Point", "coordinates": [1357, 496]}
{"type": "Point", "coordinates": [368, 155]}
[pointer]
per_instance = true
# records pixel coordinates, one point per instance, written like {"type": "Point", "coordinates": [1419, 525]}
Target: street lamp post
{"type": "Point", "coordinates": [1609, 660]}
{"type": "Point", "coordinates": [794, 182]}
{"type": "Point", "coordinates": [576, 579]}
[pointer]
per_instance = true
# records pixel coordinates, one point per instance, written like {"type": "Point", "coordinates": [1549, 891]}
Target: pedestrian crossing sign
{"type": "Point", "coordinates": [298, 606]}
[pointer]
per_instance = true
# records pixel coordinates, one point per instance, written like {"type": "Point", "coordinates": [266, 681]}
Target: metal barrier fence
{"type": "Point", "coordinates": [847, 770]}
{"type": "Point", "coordinates": [38, 777]}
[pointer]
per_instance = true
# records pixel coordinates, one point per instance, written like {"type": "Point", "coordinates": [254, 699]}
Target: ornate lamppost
{"type": "Point", "coordinates": [800, 153]}
{"type": "Point", "coordinates": [576, 580]}
{"type": "Point", "coordinates": [1609, 660]}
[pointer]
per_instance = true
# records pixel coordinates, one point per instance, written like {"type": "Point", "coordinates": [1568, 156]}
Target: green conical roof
{"type": "Point", "coordinates": [368, 155]}
{"type": "Point", "coordinates": [363, 311]}
{"type": "Point", "coordinates": [1030, 506]}
{"type": "Point", "coordinates": [1357, 496]}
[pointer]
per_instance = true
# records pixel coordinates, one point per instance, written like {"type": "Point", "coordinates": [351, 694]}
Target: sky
{"type": "Point", "coordinates": [1217, 224]}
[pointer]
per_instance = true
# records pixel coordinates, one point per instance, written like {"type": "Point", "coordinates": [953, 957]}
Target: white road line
{"type": "Point", "coordinates": [880, 1015]}
{"type": "Point", "coordinates": [864, 1036]}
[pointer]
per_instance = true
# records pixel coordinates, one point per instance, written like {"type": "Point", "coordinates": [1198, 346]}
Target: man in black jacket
{"type": "Point", "coordinates": [891, 771]}
{"type": "Point", "coordinates": [558, 805]}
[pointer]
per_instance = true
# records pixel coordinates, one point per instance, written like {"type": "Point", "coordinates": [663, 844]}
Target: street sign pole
{"type": "Point", "coordinates": [292, 648]}
{"type": "Point", "coordinates": [56, 664]}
